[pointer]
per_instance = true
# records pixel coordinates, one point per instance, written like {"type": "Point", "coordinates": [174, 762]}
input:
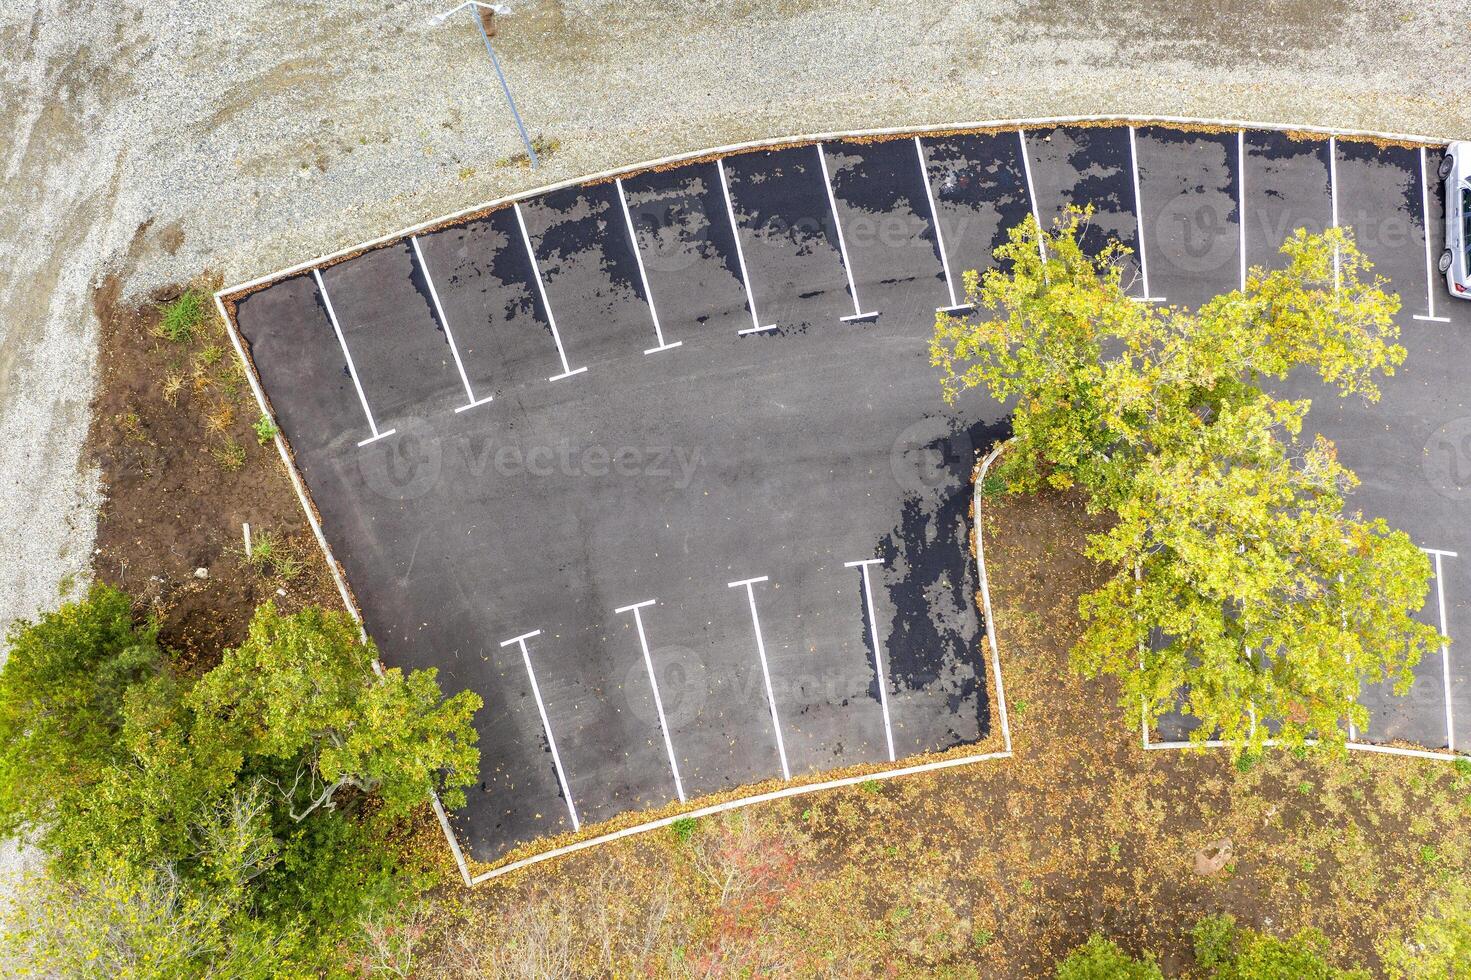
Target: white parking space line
{"type": "Point", "coordinates": [546, 726]}
{"type": "Point", "coordinates": [878, 650]}
{"type": "Point", "coordinates": [735, 233]}
{"type": "Point", "coordinates": [827, 183]}
{"type": "Point", "coordinates": [1333, 196]}
{"type": "Point", "coordinates": [1148, 297]}
{"type": "Point", "coordinates": [1241, 201]}
{"type": "Point", "coordinates": [643, 274]}
{"type": "Point", "coordinates": [541, 288]}
{"type": "Point", "coordinates": [1430, 282]}
{"type": "Point", "coordinates": [1021, 134]}
{"type": "Point", "coordinates": [1445, 654]}
{"type": "Point", "coordinates": [351, 368]}
{"type": "Point", "coordinates": [781, 747]}
{"type": "Point", "coordinates": [643, 642]}
{"type": "Point", "coordinates": [454, 349]}
{"type": "Point", "coordinates": [956, 306]}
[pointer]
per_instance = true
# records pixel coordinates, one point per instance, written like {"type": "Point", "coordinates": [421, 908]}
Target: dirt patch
{"type": "Point", "coordinates": [999, 870]}
{"type": "Point", "coordinates": [183, 469]}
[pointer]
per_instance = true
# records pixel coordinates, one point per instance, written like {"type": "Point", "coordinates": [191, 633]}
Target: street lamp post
{"type": "Point", "coordinates": [475, 6]}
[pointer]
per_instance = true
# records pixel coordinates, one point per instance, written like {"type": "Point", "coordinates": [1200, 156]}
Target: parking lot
{"type": "Point", "coordinates": [659, 468]}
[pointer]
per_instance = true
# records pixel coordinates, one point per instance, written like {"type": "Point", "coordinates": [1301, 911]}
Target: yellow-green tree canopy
{"type": "Point", "coordinates": [1241, 588]}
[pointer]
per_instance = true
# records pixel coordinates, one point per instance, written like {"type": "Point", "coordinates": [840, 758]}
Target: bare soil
{"type": "Point", "coordinates": [996, 870]}
{"type": "Point", "coordinates": [182, 470]}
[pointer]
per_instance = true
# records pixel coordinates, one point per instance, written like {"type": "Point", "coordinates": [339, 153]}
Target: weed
{"type": "Point", "coordinates": [265, 430]}
{"type": "Point", "coordinates": [209, 355]}
{"type": "Point", "coordinates": [992, 486]}
{"type": "Point", "coordinates": [131, 426]}
{"type": "Point", "coordinates": [684, 828]}
{"type": "Point", "coordinates": [67, 584]}
{"type": "Point", "coordinates": [220, 419]}
{"type": "Point", "coordinates": [545, 148]}
{"type": "Point", "coordinates": [230, 456]}
{"type": "Point", "coordinates": [982, 938]}
{"type": "Point", "coordinates": [172, 385]}
{"type": "Point", "coordinates": [1018, 708]}
{"type": "Point", "coordinates": [1429, 855]}
{"type": "Point", "coordinates": [1305, 788]}
{"type": "Point", "coordinates": [1462, 768]}
{"type": "Point", "coordinates": [263, 551]}
{"type": "Point", "coordinates": [1246, 761]}
{"type": "Point", "coordinates": [182, 317]}
{"type": "Point", "coordinates": [870, 786]}
{"type": "Point", "coordinates": [466, 173]}
{"type": "Point", "coordinates": [1115, 851]}
{"type": "Point", "coordinates": [288, 566]}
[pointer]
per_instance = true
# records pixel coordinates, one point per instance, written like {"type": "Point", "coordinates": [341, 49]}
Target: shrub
{"type": "Point", "coordinates": [1101, 959]}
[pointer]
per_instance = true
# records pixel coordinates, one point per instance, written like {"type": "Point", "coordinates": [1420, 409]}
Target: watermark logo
{"type": "Point", "coordinates": [929, 455]}
{"type": "Point", "coordinates": [1446, 459]}
{"type": "Point", "coordinates": [683, 681]}
{"type": "Point", "coordinates": [1208, 238]}
{"type": "Point", "coordinates": [403, 466]}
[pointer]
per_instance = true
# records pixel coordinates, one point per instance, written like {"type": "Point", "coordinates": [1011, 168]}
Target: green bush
{"type": "Point", "coordinates": [1231, 952]}
{"type": "Point", "coordinates": [1101, 959]}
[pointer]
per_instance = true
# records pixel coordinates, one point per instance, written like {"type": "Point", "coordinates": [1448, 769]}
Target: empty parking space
{"type": "Point", "coordinates": [1189, 190]}
{"type": "Point", "coordinates": [486, 286]}
{"type": "Point", "coordinates": [659, 466]}
{"type": "Point", "coordinates": [792, 255]}
{"type": "Point", "coordinates": [1286, 186]}
{"type": "Point", "coordinates": [1083, 166]}
{"type": "Point", "coordinates": [689, 251]}
{"type": "Point", "coordinates": [588, 267]}
{"type": "Point", "coordinates": [979, 188]}
{"type": "Point", "coordinates": [884, 212]}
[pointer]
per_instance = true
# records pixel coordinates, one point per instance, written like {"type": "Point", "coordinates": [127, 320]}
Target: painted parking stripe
{"type": "Point", "coordinates": [781, 747]}
{"type": "Point", "coordinates": [471, 400]}
{"type": "Point", "coordinates": [643, 642]}
{"type": "Point", "coordinates": [924, 174]}
{"type": "Point", "coordinates": [878, 651]}
{"type": "Point", "coordinates": [832, 201]}
{"type": "Point", "coordinates": [1148, 297]}
{"type": "Point", "coordinates": [1445, 654]}
{"type": "Point", "coordinates": [1429, 260]}
{"type": "Point", "coordinates": [1333, 197]}
{"type": "Point", "coordinates": [643, 276]}
{"type": "Point", "coordinates": [735, 233]}
{"type": "Point", "coordinates": [1241, 201]}
{"type": "Point", "coordinates": [546, 725]}
{"type": "Point", "coordinates": [541, 288]}
{"type": "Point", "coordinates": [351, 368]}
{"type": "Point", "coordinates": [1021, 134]}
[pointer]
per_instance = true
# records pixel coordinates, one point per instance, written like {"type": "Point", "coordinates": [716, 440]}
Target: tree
{"type": "Point", "coordinates": [1101, 959]}
{"type": "Point", "coordinates": [243, 825]}
{"type": "Point", "coordinates": [1240, 588]}
{"type": "Point", "coordinates": [299, 697]}
{"type": "Point", "coordinates": [62, 705]}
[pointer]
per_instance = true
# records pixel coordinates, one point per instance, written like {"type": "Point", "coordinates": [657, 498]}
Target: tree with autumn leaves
{"type": "Point", "coordinates": [1240, 586]}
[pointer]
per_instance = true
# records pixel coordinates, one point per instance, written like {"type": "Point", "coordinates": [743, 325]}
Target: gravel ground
{"type": "Point", "coordinates": [158, 140]}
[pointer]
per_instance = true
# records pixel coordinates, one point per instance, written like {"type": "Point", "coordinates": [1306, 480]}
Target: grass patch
{"type": "Point", "coordinates": [181, 319]}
